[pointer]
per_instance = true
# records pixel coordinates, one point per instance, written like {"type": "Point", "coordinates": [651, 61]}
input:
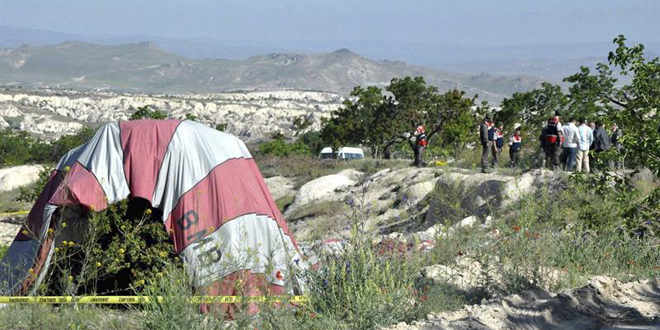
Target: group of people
{"type": "Point", "coordinates": [565, 146]}
{"type": "Point", "coordinates": [492, 142]}
{"type": "Point", "coordinates": [570, 146]}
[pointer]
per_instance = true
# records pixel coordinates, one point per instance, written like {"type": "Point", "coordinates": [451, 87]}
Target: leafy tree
{"type": "Point", "coordinates": [65, 143]}
{"type": "Point", "coordinates": [633, 106]}
{"type": "Point", "coordinates": [532, 109]}
{"type": "Point", "coordinates": [381, 120]}
{"type": "Point", "coordinates": [146, 113]}
{"type": "Point", "coordinates": [418, 104]}
{"type": "Point", "coordinates": [302, 123]}
{"type": "Point", "coordinates": [190, 116]}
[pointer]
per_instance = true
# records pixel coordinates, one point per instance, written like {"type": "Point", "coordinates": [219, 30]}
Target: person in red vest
{"type": "Point", "coordinates": [420, 144]}
{"type": "Point", "coordinates": [515, 144]}
{"type": "Point", "coordinates": [551, 139]}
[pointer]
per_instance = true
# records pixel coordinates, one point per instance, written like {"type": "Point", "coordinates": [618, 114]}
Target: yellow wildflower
{"type": "Point", "coordinates": [163, 254]}
{"type": "Point", "coordinates": [50, 230]}
{"type": "Point", "coordinates": [98, 264]}
{"type": "Point", "coordinates": [147, 212]}
{"type": "Point", "coordinates": [121, 251]}
{"type": "Point", "coordinates": [64, 243]}
{"type": "Point", "coordinates": [25, 232]}
{"type": "Point", "coordinates": [63, 224]}
{"type": "Point", "coordinates": [57, 250]}
{"type": "Point", "coordinates": [31, 271]}
{"type": "Point", "coordinates": [72, 243]}
{"type": "Point", "coordinates": [159, 274]}
{"type": "Point", "coordinates": [67, 168]}
{"type": "Point", "coordinates": [70, 278]}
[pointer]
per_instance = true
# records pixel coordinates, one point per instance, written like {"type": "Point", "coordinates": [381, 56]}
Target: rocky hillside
{"type": "Point", "coordinates": [143, 67]}
{"type": "Point", "coordinates": [249, 115]}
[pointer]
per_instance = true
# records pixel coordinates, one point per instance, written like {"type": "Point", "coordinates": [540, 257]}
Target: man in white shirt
{"type": "Point", "coordinates": [585, 138]}
{"type": "Point", "coordinates": [570, 145]}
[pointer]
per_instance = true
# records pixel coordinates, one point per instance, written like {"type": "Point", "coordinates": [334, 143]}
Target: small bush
{"type": "Point", "coordinates": [124, 247]}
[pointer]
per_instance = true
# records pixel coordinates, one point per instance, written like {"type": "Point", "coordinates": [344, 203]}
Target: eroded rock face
{"type": "Point", "coordinates": [250, 115]}
{"type": "Point", "coordinates": [280, 186]}
{"type": "Point", "coordinates": [604, 303]}
{"type": "Point", "coordinates": [397, 200]}
{"type": "Point", "coordinates": [18, 176]}
{"type": "Point", "coordinates": [326, 188]}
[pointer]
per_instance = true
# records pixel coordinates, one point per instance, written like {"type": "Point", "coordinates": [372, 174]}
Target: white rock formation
{"type": "Point", "coordinates": [280, 186]}
{"type": "Point", "coordinates": [250, 115]}
{"type": "Point", "coordinates": [18, 176]}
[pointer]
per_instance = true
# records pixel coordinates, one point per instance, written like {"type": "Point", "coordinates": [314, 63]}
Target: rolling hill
{"type": "Point", "coordinates": [143, 67]}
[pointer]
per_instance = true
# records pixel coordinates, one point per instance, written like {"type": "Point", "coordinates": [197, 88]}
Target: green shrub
{"type": "Point", "coordinates": [280, 148]}
{"type": "Point", "coordinates": [31, 192]}
{"type": "Point", "coordinates": [124, 247]}
{"type": "Point", "coordinates": [361, 289]}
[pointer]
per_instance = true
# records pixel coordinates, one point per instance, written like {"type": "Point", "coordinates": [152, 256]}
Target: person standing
{"type": "Point", "coordinates": [515, 144]}
{"type": "Point", "coordinates": [420, 145]}
{"type": "Point", "coordinates": [551, 139]}
{"type": "Point", "coordinates": [570, 144]}
{"type": "Point", "coordinates": [498, 143]}
{"type": "Point", "coordinates": [601, 142]}
{"type": "Point", "coordinates": [616, 142]}
{"type": "Point", "coordinates": [585, 139]}
{"type": "Point", "coordinates": [484, 129]}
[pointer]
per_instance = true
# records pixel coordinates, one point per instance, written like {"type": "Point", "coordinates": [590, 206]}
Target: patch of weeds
{"type": "Point", "coordinates": [174, 310]}
{"type": "Point", "coordinates": [38, 316]}
{"type": "Point", "coordinates": [284, 202]}
{"type": "Point", "coordinates": [317, 209]}
{"type": "Point", "coordinates": [3, 250]}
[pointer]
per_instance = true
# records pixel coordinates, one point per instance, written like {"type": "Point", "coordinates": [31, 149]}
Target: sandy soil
{"type": "Point", "coordinates": [605, 303]}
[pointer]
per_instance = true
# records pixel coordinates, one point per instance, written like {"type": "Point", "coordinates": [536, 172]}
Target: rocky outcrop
{"type": "Point", "coordinates": [250, 115]}
{"type": "Point", "coordinates": [397, 200]}
{"type": "Point", "coordinates": [280, 186]}
{"type": "Point", "coordinates": [604, 303]}
{"type": "Point", "coordinates": [18, 176]}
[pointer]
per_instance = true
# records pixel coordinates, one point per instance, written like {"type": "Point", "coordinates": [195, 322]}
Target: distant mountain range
{"type": "Point", "coordinates": [144, 67]}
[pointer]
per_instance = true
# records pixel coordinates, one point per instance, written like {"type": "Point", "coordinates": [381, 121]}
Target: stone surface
{"type": "Point", "coordinates": [280, 186]}
{"type": "Point", "coordinates": [250, 115]}
{"type": "Point", "coordinates": [18, 176]}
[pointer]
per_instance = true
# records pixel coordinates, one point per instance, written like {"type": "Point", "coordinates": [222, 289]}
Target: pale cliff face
{"type": "Point", "coordinates": [250, 115]}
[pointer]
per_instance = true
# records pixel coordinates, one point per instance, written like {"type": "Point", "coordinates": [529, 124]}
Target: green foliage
{"type": "Point", "coordinates": [280, 148]}
{"type": "Point", "coordinates": [190, 116]}
{"type": "Point", "coordinates": [174, 311]}
{"type": "Point", "coordinates": [123, 248]}
{"type": "Point", "coordinates": [31, 193]}
{"type": "Point", "coordinates": [146, 113]}
{"type": "Point", "coordinates": [302, 123]}
{"type": "Point", "coordinates": [3, 250]}
{"type": "Point", "coordinates": [373, 118]}
{"type": "Point", "coordinates": [532, 109]}
{"type": "Point", "coordinates": [633, 106]}
{"type": "Point", "coordinates": [19, 147]}
{"type": "Point", "coordinates": [221, 127]}
{"type": "Point", "coordinates": [65, 143]}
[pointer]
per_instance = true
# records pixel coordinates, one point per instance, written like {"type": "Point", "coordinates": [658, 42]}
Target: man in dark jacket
{"type": "Point", "coordinates": [601, 143]}
{"type": "Point", "coordinates": [485, 143]}
{"type": "Point", "coordinates": [551, 138]}
{"type": "Point", "coordinates": [616, 143]}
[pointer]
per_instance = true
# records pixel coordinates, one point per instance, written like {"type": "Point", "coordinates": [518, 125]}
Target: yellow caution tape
{"type": "Point", "coordinates": [147, 299]}
{"type": "Point", "coordinates": [6, 214]}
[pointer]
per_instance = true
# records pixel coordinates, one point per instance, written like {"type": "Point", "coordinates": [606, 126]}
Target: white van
{"type": "Point", "coordinates": [343, 153]}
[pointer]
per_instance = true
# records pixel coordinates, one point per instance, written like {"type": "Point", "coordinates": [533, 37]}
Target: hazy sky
{"type": "Point", "coordinates": [467, 22]}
